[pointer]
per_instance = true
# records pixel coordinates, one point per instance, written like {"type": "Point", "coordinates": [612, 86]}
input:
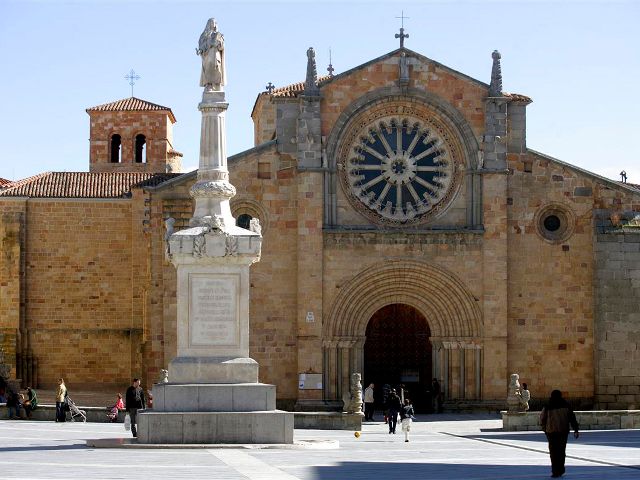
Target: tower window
{"type": "Point", "coordinates": [244, 221]}
{"type": "Point", "coordinates": [141, 149]}
{"type": "Point", "coordinates": [116, 142]}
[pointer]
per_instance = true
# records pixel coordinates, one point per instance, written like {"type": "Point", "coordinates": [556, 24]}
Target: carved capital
{"type": "Point", "coordinates": [212, 189]}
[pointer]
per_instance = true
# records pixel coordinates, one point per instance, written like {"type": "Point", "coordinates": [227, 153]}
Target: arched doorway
{"type": "Point", "coordinates": [397, 351]}
{"type": "Point", "coordinates": [454, 322]}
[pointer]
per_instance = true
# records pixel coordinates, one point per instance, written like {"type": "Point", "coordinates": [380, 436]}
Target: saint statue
{"type": "Point", "coordinates": [211, 49]}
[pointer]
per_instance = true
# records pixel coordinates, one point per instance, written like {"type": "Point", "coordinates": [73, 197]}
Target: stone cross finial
{"type": "Point", "coordinates": [623, 176]}
{"type": "Point", "coordinates": [330, 68]}
{"type": "Point", "coordinates": [270, 87]}
{"type": "Point", "coordinates": [402, 35]}
{"type": "Point", "coordinates": [495, 87]}
{"type": "Point", "coordinates": [311, 82]}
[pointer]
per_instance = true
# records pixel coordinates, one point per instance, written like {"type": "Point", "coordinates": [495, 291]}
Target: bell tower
{"type": "Point", "coordinates": [132, 135]}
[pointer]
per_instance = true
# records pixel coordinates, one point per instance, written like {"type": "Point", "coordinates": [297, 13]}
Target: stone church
{"type": "Point", "coordinates": [409, 233]}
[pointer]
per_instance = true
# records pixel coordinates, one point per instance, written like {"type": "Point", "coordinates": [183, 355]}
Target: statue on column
{"type": "Point", "coordinates": [211, 49]}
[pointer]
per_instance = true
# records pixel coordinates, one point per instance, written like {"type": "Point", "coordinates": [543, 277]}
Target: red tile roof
{"type": "Point", "coordinates": [84, 184]}
{"type": "Point", "coordinates": [4, 183]}
{"type": "Point", "coordinates": [131, 104]}
{"type": "Point", "coordinates": [292, 90]}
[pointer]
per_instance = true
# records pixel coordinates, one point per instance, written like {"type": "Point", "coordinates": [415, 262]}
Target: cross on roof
{"type": "Point", "coordinates": [330, 68]}
{"type": "Point", "coordinates": [402, 35]}
{"type": "Point", "coordinates": [132, 77]}
{"type": "Point", "coordinates": [270, 87]}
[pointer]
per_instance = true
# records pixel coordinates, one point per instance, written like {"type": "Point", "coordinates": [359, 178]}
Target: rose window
{"type": "Point", "coordinates": [400, 169]}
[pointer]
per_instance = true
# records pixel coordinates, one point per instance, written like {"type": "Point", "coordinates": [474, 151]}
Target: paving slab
{"type": "Point", "coordinates": [441, 447]}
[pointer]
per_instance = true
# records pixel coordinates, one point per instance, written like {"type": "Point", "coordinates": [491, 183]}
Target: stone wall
{"type": "Point", "coordinates": [11, 291]}
{"type": "Point", "coordinates": [550, 324]}
{"type": "Point", "coordinates": [617, 293]}
{"type": "Point", "coordinates": [83, 279]}
{"type": "Point", "coordinates": [274, 280]}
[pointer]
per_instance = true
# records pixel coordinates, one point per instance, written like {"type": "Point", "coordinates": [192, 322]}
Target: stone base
{"type": "Point", "coordinates": [588, 420]}
{"type": "Point", "coordinates": [215, 427]}
{"type": "Point", "coordinates": [328, 421]}
{"type": "Point", "coordinates": [213, 370]}
{"type": "Point", "coordinates": [237, 397]}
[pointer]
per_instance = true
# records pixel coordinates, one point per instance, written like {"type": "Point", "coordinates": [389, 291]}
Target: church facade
{"type": "Point", "coordinates": [409, 233]}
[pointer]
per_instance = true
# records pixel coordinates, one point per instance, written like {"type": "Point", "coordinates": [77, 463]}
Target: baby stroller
{"type": "Point", "coordinates": [112, 413]}
{"type": "Point", "coordinates": [74, 411]}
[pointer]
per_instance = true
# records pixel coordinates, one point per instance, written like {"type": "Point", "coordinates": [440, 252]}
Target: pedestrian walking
{"type": "Point", "coordinates": [134, 401]}
{"type": "Point", "coordinates": [556, 418]}
{"type": "Point", "coordinates": [406, 418]}
{"type": "Point", "coordinates": [369, 402]}
{"type": "Point", "coordinates": [394, 408]}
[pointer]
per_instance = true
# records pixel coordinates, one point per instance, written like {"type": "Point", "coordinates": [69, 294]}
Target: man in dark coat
{"type": "Point", "coordinates": [134, 401]}
{"type": "Point", "coordinates": [394, 406]}
{"type": "Point", "coordinates": [555, 419]}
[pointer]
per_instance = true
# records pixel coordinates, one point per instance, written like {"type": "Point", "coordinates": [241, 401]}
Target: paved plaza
{"type": "Point", "coordinates": [441, 447]}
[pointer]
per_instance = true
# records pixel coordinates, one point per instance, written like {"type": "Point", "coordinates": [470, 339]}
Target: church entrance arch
{"type": "Point", "coordinates": [454, 323]}
{"type": "Point", "coordinates": [397, 350]}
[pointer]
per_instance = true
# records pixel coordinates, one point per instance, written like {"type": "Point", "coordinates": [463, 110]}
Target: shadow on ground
{"type": "Point", "coordinates": [41, 448]}
{"type": "Point", "coordinates": [617, 438]}
{"type": "Point", "coordinates": [404, 471]}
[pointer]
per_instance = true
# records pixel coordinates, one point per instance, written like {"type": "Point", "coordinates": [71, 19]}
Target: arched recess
{"type": "Point", "coordinates": [242, 205]}
{"type": "Point", "coordinates": [452, 312]}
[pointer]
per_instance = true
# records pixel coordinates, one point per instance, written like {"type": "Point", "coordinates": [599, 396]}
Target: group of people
{"type": "Point", "coordinates": [17, 402]}
{"type": "Point", "coordinates": [394, 404]}
{"type": "Point", "coordinates": [434, 395]}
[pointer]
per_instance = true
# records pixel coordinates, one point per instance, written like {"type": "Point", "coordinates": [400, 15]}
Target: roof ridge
{"type": "Point", "coordinates": [128, 99]}
{"type": "Point", "coordinates": [26, 180]}
{"type": "Point", "coordinates": [131, 104]}
{"type": "Point", "coordinates": [84, 184]}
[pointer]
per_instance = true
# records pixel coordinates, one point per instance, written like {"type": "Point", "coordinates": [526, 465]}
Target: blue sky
{"type": "Point", "coordinates": [579, 62]}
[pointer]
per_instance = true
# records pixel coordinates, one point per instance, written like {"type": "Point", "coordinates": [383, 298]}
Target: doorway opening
{"type": "Point", "coordinates": [397, 351]}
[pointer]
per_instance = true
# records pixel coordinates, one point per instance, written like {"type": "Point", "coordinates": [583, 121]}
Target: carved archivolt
{"type": "Point", "coordinates": [444, 300]}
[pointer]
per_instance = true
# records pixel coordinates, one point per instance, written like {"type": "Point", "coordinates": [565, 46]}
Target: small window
{"type": "Point", "coordinates": [116, 143]}
{"type": "Point", "coordinates": [552, 223]}
{"type": "Point", "coordinates": [555, 223]}
{"type": "Point", "coordinates": [141, 149]}
{"type": "Point", "coordinates": [244, 221]}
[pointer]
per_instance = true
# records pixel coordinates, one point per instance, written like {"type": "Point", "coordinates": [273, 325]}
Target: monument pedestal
{"type": "Point", "coordinates": [213, 395]}
{"type": "Point", "coordinates": [215, 427]}
{"type": "Point", "coordinates": [215, 413]}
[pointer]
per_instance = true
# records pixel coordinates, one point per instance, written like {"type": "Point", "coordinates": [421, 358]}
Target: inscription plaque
{"type": "Point", "coordinates": [213, 319]}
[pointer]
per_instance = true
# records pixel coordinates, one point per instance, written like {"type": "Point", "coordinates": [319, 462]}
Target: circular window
{"type": "Point", "coordinates": [555, 223]}
{"type": "Point", "coordinates": [398, 169]}
{"type": "Point", "coordinates": [552, 223]}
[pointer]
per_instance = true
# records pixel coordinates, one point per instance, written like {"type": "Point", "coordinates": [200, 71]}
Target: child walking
{"type": "Point", "coordinates": [406, 416]}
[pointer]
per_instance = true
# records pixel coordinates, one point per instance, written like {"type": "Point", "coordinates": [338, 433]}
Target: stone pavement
{"type": "Point", "coordinates": [441, 447]}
